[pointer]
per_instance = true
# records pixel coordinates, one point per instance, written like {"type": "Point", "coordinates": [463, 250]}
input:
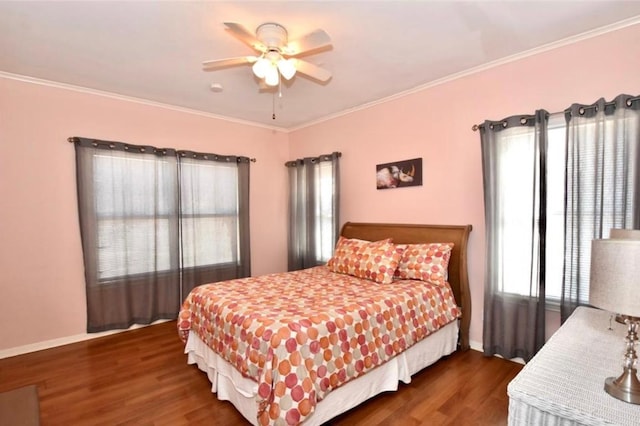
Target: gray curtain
{"type": "Point", "coordinates": [128, 202]}
{"type": "Point", "coordinates": [602, 185]}
{"type": "Point", "coordinates": [151, 219]}
{"type": "Point", "coordinates": [214, 218]}
{"type": "Point", "coordinates": [514, 170]}
{"type": "Point", "coordinates": [314, 197]}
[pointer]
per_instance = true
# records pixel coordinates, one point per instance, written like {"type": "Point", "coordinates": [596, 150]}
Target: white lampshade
{"type": "Point", "coordinates": [287, 68]}
{"type": "Point", "coordinates": [625, 234]}
{"type": "Point", "coordinates": [615, 274]}
{"type": "Point", "coordinates": [261, 67]}
{"type": "Point", "coordinates": [272, 77]}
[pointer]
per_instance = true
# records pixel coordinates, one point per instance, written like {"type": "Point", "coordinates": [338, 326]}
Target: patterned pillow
{"type": "Point", "coordinates": [375, 261]}
{"type": "Point", "coordinates": [425, 262]}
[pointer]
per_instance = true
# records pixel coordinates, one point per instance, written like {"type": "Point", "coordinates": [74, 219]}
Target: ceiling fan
{"type": "Point", "coordinates": [277, 55]}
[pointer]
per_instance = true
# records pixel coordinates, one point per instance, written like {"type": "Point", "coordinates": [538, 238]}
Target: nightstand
{"type": "Point", "coordinates": [564, 383]}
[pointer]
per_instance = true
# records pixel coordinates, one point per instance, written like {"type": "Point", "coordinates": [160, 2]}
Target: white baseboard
{"type": "Point", "coordinates": [48, 344]}
{"type": "Point", "coordinates": [476, 346]}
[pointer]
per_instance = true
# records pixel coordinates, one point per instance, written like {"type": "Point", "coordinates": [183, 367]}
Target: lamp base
{"type": "Point", "coordinates": [626, 387]}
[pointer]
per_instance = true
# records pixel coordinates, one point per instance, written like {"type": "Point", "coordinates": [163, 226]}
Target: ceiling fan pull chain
{"type": "Point", "coordinates": [273, 107]}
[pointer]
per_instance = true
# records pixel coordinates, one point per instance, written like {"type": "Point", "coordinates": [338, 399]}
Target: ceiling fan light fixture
{"type": "Point", "coordinates": [275, 61]}
{"type": "Point", "coordinates": [287, 68]}
{"type": "Point", "coordinates": [261, 67]}
{"type": "Point", "coordinates": [272, 77]}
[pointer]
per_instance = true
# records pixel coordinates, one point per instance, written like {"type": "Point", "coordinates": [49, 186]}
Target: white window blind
{"type": "Point", "coordinates": [604, 210]}
{"type": "Point", "coordinates": [517, 220]}
{"type": "Point", "coordinates": [324, 210]}
{"type": "Point", "coordinates": [134, 220]}
{"type": "Point", "coordinates": [133, 234]}
{"type": "Point", "coordinates": [209, 213]}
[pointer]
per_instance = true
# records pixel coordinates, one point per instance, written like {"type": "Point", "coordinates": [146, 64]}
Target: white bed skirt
{"type": "Point", "coordinates": [231, 386]}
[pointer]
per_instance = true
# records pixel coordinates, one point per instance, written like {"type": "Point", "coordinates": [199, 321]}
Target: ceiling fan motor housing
{"type": "Point", "coordinates": [276, 56]}
{"type": "Point", "coordinates": [273, 36]}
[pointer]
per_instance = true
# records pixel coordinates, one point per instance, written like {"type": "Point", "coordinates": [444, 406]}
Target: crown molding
{"type": "Point", "coordinates": [493, 64]}
{"type": "Point", "coordinates": [512, 58]}
{"type": "Point", "coordinates": [146, 102]}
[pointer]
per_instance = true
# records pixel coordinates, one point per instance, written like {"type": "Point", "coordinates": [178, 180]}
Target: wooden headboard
{"type": "Point", "coordinates": [407, 234]}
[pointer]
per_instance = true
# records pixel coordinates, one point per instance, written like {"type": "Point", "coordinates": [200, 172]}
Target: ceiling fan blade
{"type": "Point", "coordinates": [229, 62]}
{"type": "Point", "coordinates": [245, 36]}
{"type": "Point", "coordinates": [312, 41]}
{"type": "Point", "coordinates": [313, 71]}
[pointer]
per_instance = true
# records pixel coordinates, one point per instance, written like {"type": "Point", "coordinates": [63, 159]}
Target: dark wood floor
{"type": "Point", "coordinates": [141, 377]}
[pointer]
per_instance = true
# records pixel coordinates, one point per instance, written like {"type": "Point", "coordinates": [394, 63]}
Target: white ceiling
{"type": "Point", "coordinates": [153, 50]}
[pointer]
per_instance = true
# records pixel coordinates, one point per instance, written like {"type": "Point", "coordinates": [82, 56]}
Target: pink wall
{"type": "Point", "coordinates": [41, 270]}
{"type": "Point", "coordinates": [435, 124]}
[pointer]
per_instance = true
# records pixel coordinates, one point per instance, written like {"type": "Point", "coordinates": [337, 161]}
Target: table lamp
{"type": "Point", "coordinates": [615, 287]}
{"type": "Point", "coordinates": [625, 234]}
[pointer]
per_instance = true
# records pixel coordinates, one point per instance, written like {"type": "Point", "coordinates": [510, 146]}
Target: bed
{"type": "Point", "coordinates": [306, 346]}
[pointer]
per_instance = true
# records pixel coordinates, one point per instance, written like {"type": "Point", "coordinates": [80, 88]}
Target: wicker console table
{"type": "Point", "coordinates": [564, 383]}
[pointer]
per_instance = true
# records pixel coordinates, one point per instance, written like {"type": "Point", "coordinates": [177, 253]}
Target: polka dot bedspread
{"type": "Point", "coordinates": [301, 334]}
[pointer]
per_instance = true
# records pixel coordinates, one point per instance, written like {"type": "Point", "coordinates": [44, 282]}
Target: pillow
{"type": "Point", "coordinates": [425, 262]}
{"type": "Point", "coordinates": [375, 261]}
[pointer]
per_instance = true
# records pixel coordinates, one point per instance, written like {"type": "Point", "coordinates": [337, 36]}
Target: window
{"type": "Point", "coordinates": [134, 215]}
{"type": "Point", "coordinates": [517, 208]}
{"type": "Point", "coordinates": [314, 198]}
{"type": "Point", "coordinates": [154, 224]}
{"type": "Point", "coordinates": [134, 220]}
{"type": "Point", "coordinates": [518, 213]}
{"type": "Point", "coordinates": [209, 213]}
{"type": "Point", "coordinates": [556, 151]}
{"type": "Point", "coordinates": [552, 184]}
{"type": "Point", "coordinates": [324, 222]}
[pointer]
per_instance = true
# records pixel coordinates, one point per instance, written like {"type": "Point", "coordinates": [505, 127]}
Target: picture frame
{"type": "Point", "coordinates": [398, 174]}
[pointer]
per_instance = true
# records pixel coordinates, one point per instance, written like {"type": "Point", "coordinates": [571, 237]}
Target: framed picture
{"type": "Point", "coordinates": [399, 174]}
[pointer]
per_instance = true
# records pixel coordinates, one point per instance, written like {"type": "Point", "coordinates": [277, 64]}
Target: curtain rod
{"type": "Point", "coordinates": [73, 139]}
{"type": "Point", "coordinates": [629, 101]}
